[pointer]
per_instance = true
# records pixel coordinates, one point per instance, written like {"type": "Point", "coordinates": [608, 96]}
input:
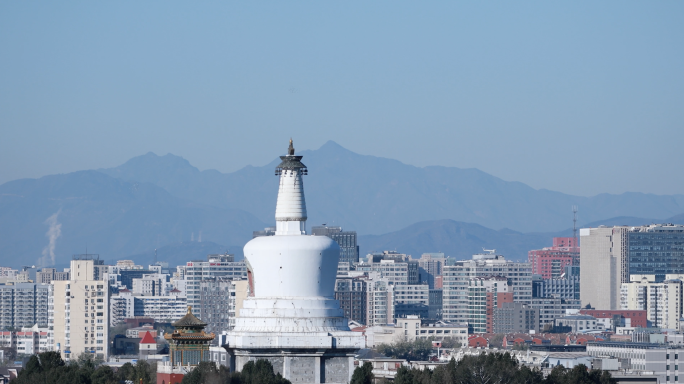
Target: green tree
{"type": "Point", "coordinates": [207, 373]}
{"type": "Point", "coordinates": [363, 374]}
{"type": "Point", "coordinates": [143, 373]}
{"type": "Point", "coordinates": [261, 372]}
{"type": "Point", "coordinates": [51, 360]}
{"type": "Point", "coordinates": [103, 375]}
{"type": "Point", "coordinates": [496, 341]}
{"type": "Point", "coordinates": [526, 375]}
{"type": "Point", "coordinates": [404, 376]}
{"type": "Point", "coordinates": [126, 372]}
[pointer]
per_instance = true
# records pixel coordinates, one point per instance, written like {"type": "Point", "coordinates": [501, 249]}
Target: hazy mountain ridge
{"type": "Point", "coordinates": [461, 240]}
{"type": "Point", "coordinates": [110, 216]}
{"type": "Point", "coordinates": [161, 201]}
{"type": "Point", "coordinates": [375, 195]}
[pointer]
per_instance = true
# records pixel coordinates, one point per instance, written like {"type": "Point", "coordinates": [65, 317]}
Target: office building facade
{"type": "Point", "coordinates": [615, 253]}
{"type": "Point", "coordinates": [349, 249]}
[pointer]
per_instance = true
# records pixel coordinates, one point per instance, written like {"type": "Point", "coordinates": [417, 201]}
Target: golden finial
{"type": "Point", "coordinates": [290, 150]}
{"type": "Point", "coordinates": [189, 309]}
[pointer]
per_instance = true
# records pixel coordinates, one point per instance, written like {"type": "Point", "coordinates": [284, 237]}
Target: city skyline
{"type": "Point", "coordinates": [491, 192]}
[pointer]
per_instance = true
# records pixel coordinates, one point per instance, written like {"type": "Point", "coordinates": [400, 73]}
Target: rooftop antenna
{"type": "Point", "coordinates": [574, 226]}
{"type": "Point", "coordinates": [155, 256]}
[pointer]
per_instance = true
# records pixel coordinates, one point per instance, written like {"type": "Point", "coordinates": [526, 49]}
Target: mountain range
{"type": "Point", "coordinates": [462, 240]}
{"type": "Point", "coordinates": [156, 201]}
{"type": "Point", "coordinates": [374, 195]}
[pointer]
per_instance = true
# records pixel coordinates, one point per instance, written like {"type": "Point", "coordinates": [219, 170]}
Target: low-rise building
{"type": "Point", "coordinates": [552, 308]}
{"type": "Point", "coordinates": [620, 318]}
{"type": "Point", "coordinates": [516, 317]}
{"type": "Point", "coordinates": [660, 359]}
{"type": "Point", "coordinates": [579, 323]}
{"type": "Point", "coordinates": [412, 328]}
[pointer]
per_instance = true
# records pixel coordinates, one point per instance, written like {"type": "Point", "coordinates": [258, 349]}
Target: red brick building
{"type": "Point", "coordinates": [632, 318]}
{"type": "Point", "coordinates": [551, 262]}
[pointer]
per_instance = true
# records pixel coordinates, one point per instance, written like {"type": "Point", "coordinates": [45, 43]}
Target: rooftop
{"type": "Point", "coordinates": [189, 320]}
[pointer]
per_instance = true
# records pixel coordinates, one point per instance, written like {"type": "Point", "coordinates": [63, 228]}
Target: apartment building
{"type": "Point", "coordinates": [23, 305]}
{"type": "Point", "coordinates": [411, 300]}
{"type": "Point", "coordinates": [217, 308]}
{"type": "Point", "coordinates": [379, 300]}
{"type": "Point", "coordinates": [662, 301]}
{"type": "Point", "coordinates": [350, 291]}
{"type": "Point", "coordinates": [216, 266]}
{"type": "Point", "coordinates": [79, 311]}
{"type": "Point", "coordinates": [456, 280]}
{"type": "Point", "coordinates": [162, 309]}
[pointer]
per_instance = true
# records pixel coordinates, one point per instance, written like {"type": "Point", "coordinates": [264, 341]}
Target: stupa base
{"type": "Point", "coordinates": [301, 365]}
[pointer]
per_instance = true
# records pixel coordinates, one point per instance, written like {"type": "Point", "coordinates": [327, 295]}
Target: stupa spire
{"type": "Point", "coordinates": [291, 206]}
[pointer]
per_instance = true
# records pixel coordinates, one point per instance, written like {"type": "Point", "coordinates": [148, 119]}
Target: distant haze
{"type": "Point", "coordinates": [165, 203]}
{"type": "Point", "coordinates": [577, 97]}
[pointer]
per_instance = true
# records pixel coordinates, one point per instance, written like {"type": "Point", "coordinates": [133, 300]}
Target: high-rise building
{"type": "Point", "coordinates": [217, 266]}
{"type": "Point", "coordinates": [350, 291]}
{"type": "Point", "coordinates": [603, 266]}
{"type": "Point", "coordinates": [24, 305]}
{"type": "Point", "coordinates": [485, 294]}
{"type": "Point", "coordinates": [395, 271]}
{"type": "Point", "coordinates": [435, 304]}
{"type": "Point", "coordinates": [456, 279]}
{"type": "Point", "coordinates": [411, 300]}
{"type": "Point", "coordinates": [550, 262]}
{"type": "Point", "coordinates": [662, 301]}
{"type": "Point", "coordinates": [217, 308]}
{"type": "Point", "coordinates": [609, 255]}
{"type": "Point", "coordinates": [379, 300]}
{"type": "Point", "coordinates": [349, 250]}
{"type": "Point", "coordinates": [149, 285]}
{"type": "Point", "coordinates": [430, 266]}
{"type": "Point", "coordinates": [79, 311]}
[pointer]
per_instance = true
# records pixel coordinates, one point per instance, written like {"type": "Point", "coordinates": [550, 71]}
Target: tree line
{"type": "Point", "coordinates": [49, 368]}
{"type": "Point", "coordinates": [487, 368]}
{"type": "Point", "coordinates": [259, 372]}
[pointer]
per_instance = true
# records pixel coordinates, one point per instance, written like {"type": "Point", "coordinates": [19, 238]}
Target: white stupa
{"type": "Point", "coordinates": [291, 317]}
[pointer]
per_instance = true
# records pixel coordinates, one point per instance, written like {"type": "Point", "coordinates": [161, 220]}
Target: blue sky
{"type": "Point", "coordinates": [580, 97]}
